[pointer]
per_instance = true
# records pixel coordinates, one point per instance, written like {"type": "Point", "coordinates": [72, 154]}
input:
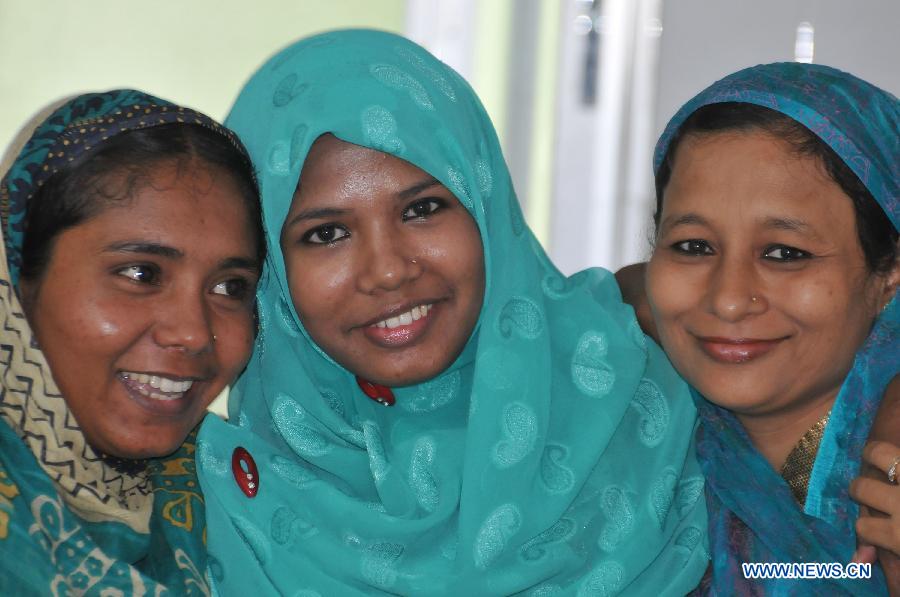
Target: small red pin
{"type": "Point", "coordinates": [379, 394]}
{"type": "Point", "coordinates": [245, 472]}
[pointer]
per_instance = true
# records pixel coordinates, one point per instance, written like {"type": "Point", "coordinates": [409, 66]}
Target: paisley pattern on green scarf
{"type": "Point", "coordinates": [554, 456]}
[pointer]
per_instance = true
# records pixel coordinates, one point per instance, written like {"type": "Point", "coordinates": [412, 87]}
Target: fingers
{"type": "Point", "coordinates": [882, 455]}
{"type": "Point", "coordinates": [875, 494]}
{"type": "Point", "coordinates": [865, 554]}
{"type": "Point", "coordinates": [879, 532]}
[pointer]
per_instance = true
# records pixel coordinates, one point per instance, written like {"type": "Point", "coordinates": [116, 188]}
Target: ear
{"type": "Point", "coordinates": [891, 282]}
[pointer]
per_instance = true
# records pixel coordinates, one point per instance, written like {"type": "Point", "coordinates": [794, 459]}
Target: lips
{"type": "Point", "coordinates": [737, 350]}
{"type": "Point", "coordinates": [402, 326]}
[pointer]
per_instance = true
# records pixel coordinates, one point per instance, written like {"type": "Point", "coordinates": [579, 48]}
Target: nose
{"type": "Point", "coordinates": [386, 262]}
{"type": "Point", "coordinates": [184, 322]}
{"type": "Point", "coordinates": [734, 291]}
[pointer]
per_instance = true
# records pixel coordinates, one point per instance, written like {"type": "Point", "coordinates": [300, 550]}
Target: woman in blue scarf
{"type": "Point", "coordinates": [104, 280]}
{"type": "Point", "coordinates": [773, 288]}
{"type": "Point", "coordinates": [539, 443]}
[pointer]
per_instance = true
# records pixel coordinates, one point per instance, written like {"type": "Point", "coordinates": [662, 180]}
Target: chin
{"type": "Point", "coordinates": [403, 377]}
{"type": "Point", "coordinates": [151, 446]}
{"type": "Point", "coordinates": [732, 396]}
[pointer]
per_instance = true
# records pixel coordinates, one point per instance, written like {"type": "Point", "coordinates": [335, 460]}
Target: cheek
{"type": "Point", "coordinates": [460, 248]}
{"type": "Point", "coordinates": [84, 316]}
{"type": "Point", "coordinates": [321, 286]}
{"type": "Point", "coordinates": [234, 344]}
{"type": "Point", "coordinates": [833, 308]}
{"type": "Point", "coordinates": [670, 289]}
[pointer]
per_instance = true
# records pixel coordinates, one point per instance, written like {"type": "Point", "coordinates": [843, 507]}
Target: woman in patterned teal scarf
{"type": "Point", "coordinates": [545, 449]}
{"type": "Point", "coordinates": [816, 286]}
{"type": "Point", "coordinates": [142, 323]}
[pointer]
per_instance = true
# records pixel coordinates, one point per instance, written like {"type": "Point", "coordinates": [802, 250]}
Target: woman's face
{"type": "Point", "coordinates": [145, 311]}
{"type": "Point", "coordinates": [758, 283]}
{"type": "Point", "coordinates": [385, 266]}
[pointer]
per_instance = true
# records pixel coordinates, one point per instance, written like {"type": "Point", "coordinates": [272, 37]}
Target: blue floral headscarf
{"type": "Point", "coordinates": [753, 514]}
{"type": "Point", "coordinates": [554, 456]}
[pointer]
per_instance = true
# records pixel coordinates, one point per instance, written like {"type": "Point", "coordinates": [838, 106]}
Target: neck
{"type": "Point", "coordinates": [774, 435]}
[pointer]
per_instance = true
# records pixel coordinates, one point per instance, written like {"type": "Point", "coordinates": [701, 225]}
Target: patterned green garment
{"type": "Point", "coordinates": [71, 523]}
{"type": "Point", "coordinates": [554, 455]}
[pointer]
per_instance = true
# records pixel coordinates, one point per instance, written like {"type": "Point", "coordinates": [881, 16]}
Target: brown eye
{"type": "Point", "coordinates": [325, 234]}
{"type": "Point", "coordinates": [142, 273]}
{"type": "Point", "coordinates": [785, 253]}
{"type": "Point", "coordinates": [423, 208]}
{"type": "Point", "coordinates": [237, 288]}
{"type": "Point", "coordinates": [693, 246]}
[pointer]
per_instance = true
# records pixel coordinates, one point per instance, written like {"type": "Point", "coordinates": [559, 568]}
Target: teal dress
{"type": "Point", "coordinates": [554, 456]}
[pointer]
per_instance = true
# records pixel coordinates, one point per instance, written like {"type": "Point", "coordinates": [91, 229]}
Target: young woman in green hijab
{"type": "Point", "coordinates": [432, 408]}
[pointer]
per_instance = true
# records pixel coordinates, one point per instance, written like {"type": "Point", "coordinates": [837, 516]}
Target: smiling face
{"type": "Point", "coordinates": [144, 311]}
{"type": "Point", "coordinates": [385, 266]}
{"type": "Point", "coordinates": [758, 283]}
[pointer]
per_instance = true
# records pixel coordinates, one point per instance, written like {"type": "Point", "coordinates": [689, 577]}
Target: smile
{"type": "Point", "coordinates": [406, 318]}
{"type": "Point", "coordinates": [155, 387]}
{"type": "Point", "coordinates": [402, 329]}
{"type": "Point", "coordinates": [736, 351]}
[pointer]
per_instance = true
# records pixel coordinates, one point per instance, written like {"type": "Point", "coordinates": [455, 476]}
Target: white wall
{"type": "Point", "coordinates": [704, 40]}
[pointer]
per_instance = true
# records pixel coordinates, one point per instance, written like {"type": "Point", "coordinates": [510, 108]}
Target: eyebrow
{"type": "Point", "coordinates": [316, 213]}
{"type": "Point", "coordinates": [159, 250]}
{"type": "Point", "coordinates": [418, 188]}
{"type": "Point", "coordinates": [145, 248]}
{"type": "Point", "coordinates": [240, 263]}
{"type": "Point", "coordinates": [322, 213]}
{"type": "Point", "coordinates": [683, 220]}
{"type": "Point", "coordinates": [789, 224]}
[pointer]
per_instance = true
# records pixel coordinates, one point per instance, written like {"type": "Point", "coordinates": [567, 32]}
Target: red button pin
{"type": "Point", "coordinates": [245, 473]}
{"type": "Point", "coordinates": [379, 394]}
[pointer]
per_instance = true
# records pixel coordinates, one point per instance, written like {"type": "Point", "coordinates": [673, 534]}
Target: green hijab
{"type": "Point", "coordinates": [554, 456]}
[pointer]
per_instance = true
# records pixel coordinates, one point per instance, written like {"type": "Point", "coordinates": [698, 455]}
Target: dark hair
{"type": "Point", "coordinates": [877, 235]}
{"type": "Point", "coordinates": [82, 188]}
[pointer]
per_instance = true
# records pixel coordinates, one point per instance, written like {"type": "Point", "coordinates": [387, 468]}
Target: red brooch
{"type": "Point", "coordinates": [245, 473]}
{"type": "Point", "coordinates": [379, 394]}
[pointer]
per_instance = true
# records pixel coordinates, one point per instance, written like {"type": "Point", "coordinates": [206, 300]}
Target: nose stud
{"type": "Point", "coordinates": [753, 299]}
{"type": "Point", "coordinates": [413, 261]}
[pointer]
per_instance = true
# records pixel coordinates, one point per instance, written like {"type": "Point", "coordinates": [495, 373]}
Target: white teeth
{"type": "Point", "coordinates": [414, 314]}
{"type": "Point", "coordinates": [165, 385]}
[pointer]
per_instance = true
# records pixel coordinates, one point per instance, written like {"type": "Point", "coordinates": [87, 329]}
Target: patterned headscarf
{"type": "Point", "coordinates": [554, 455]}
{"type": "Point", "coordinates": [753, 514]}
{"type": "Point", "coordinates": [74, 521]}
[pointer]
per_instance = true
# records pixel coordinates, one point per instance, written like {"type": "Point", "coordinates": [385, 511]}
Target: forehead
{"type": "Point", "coordinates": [753, 173]}
{"type": "Point", "coordinates": [172, 196]}
{"type": "Point", "coordinates": [338, 169]}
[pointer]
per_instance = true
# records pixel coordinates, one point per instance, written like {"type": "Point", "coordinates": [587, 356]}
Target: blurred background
{"type": "Point", "coordinates": [578, 89]}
